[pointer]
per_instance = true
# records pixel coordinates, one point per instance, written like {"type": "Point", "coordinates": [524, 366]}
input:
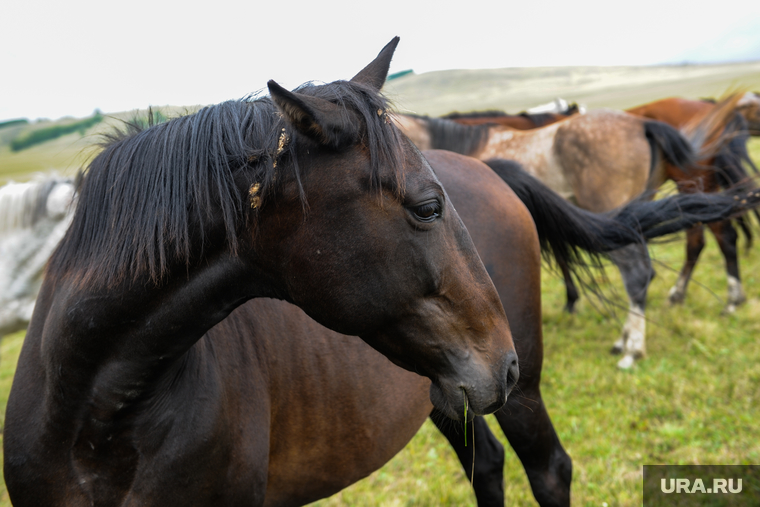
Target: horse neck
{"type": "Point", "coordinates": [118, 344]}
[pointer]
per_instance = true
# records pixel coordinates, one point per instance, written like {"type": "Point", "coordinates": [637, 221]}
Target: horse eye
{"type": "Point", "coordinates": [427, 212]}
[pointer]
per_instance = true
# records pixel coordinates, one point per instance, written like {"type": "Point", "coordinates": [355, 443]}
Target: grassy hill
{"type": "Point", "coordinates": [513, 90]}
{"type": "Point", "coordinates": [66, 154]}
{"type": "Point", "coordinates": [436, 93]}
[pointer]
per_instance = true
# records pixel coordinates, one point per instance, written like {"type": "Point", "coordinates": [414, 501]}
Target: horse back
{"type": "Point", "coordinates": [674, 111]}
{"type": "Point", "coordinates": [605, 157]}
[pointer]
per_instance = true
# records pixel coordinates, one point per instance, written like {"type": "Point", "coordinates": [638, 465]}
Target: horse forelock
{"type": "Point", "coordinates": [154, 196]}
{"type": "Point", "coordinates": [380, 137]}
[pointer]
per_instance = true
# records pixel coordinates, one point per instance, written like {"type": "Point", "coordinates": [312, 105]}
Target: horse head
{"type": "Point", "coordinates": [367, 242]}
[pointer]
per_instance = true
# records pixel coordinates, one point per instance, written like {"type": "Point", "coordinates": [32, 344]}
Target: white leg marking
{"type": "Point", "coordinates": [678, 291]}
{"type": "Point", "coordinates": [634, 333]}
{"type": "Point", "coordinates": [637, 327]}
{"type": "Point", "coordinates": [735, 293]}
{"type": "Point", "coordinates": [618, 347]}
{"type": "Point", "coordinates": [626, 362]}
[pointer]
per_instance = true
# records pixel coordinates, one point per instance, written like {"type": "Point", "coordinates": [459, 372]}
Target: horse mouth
{"type": "Point", "coordinates": [456, 406]}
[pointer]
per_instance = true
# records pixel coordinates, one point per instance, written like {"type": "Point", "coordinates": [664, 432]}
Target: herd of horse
{"type": "Point", "coordinates": [200, 289]}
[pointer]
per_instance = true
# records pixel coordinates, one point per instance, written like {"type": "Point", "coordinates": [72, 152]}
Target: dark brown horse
{"type": "Point", "coordinates": [724, 169]}
{"type": "Point", "coordinates": [312, 197]}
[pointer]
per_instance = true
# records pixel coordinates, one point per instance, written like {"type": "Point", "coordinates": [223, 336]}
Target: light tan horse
{"type": "Point", "coordinates": [749, 107]}
{"type": "Point", "coordinates": [600, 161]}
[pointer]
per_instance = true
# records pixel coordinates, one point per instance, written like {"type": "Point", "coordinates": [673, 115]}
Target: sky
{"type": "Point", "coordinates": [67, 58]}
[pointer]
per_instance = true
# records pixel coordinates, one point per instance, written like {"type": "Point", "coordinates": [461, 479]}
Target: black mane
{"type": "Point", "coordinates": [456, 115]}
{"type": "Point", "coordinates": [155, 196]}
{"type": "Point", "coordinates": [449, 135]}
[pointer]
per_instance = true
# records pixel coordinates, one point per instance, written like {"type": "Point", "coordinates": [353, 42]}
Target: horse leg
{"type": "Point", "coordinates": [529, 430]}
{"type": "Point", "coordinates": [636, 269]}
{"type": "Point", "coordinates": [695, 242]}
{"type": "Point", "coordinates": [488, 479]}
{"type": "Point", "coordinates": [726, 235]}
{"type": "Point", "coordinates": [571, 290]}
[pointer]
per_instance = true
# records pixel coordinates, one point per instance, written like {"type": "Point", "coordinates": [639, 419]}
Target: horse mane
{"type": "Point", "coordinates": [22, 205]}
{"type": "Point", "coordinates": [456, 115]}
{"type": "Point", "coordinates": [539, 119]}
{"type": "Point", "coordinates": [446, 134]}
{"type": "Point", "coordinates": [157, 194]}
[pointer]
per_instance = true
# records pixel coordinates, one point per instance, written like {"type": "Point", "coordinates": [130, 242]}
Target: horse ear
{"type": "Point", "coordinates": [318, 119]}
{"type": "Point", "coordinates": [376, 72]}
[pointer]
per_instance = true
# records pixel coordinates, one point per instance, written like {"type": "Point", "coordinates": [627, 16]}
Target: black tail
{"type": "Point", "coordinates": [730, 163]}
{"type": "Point", "coordinates": [564, 229]}
{"type": "Point", "coordinates": [668, 142]}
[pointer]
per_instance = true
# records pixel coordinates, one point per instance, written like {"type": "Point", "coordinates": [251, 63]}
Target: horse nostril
{"type": "Point", "coordinates": [513, 372]}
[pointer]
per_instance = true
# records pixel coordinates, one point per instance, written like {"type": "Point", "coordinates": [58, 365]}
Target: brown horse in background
{"type": "Point", "coordinates": [521, 121]}
{"type": "Point", "coordinates": [724, 169]}
{"type": "Point", "coordinates": [599, 160]}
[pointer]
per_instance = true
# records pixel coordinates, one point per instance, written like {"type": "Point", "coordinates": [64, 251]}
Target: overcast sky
{"type": "Point", "coordinates": [69, 57]}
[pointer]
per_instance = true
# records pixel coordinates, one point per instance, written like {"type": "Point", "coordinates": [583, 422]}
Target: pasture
{"type": "Point", "coordinates": [694, 400]}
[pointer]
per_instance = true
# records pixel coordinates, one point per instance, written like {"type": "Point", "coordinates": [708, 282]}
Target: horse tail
{"type": "Point", "coordinates": [731, 162]}
{"type": "Point", "coordinates": [564, 229]}
{"type": "Point", "coordinates": [708, 135]}
{"type": "Point", "coordinates": [668, 142]}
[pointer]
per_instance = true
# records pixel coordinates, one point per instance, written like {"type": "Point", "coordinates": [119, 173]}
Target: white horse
{"type": "Point", "coordinates": [33, 218]}
{"type": "Point", "coordinates": [556, 106]}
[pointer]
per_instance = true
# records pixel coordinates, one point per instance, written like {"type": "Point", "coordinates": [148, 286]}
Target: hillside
{"type": "Point", "coordinates": [513, 90]}
{"type": "Point", "coordinates": [436, 93]}
{"type": "Point", "coordinates": [66, 154]}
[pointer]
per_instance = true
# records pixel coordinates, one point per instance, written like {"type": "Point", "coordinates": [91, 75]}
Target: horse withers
{"type": "Point", "coordinates": [311, 196]}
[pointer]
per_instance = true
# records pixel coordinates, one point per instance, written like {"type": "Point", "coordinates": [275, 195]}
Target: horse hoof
{"type": "Point", "coordinates": [570, 308]}
{"type": "Point", "coordinates": [729, 309]}
{"type": "Point", "coordinates": [676, 298]}
{"type": "Point", "coordinates": [626, 363]}
{"type": "Point", "coordinates": [616, 350]}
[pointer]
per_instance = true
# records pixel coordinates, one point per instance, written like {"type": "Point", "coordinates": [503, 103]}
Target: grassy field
{"type": "Point", "coordinates": [694, 400]}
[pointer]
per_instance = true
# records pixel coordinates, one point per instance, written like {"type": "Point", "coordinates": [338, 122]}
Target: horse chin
{"type": "Point", "coordinates": [453, 405]}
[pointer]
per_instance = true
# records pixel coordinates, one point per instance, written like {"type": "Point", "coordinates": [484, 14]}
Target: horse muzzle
{"type": "Point", "coordinates": [474, 391]}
